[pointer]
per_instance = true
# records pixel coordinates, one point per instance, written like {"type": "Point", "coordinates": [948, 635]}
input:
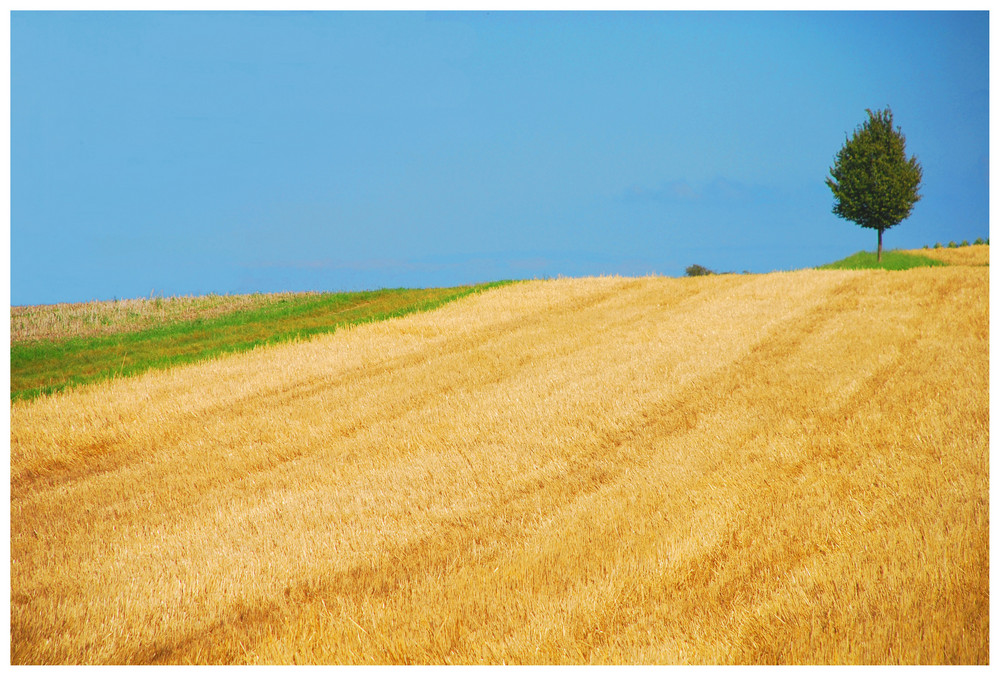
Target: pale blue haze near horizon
{"type": "Point", "coordinates": [174, 153]}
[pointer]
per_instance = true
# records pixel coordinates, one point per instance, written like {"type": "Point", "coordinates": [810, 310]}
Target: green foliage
{"type": "Point", "coordinates": [952, 245]}
{"type": "Point", "coordinates": [891, 260]}
{"type": "Point", "coordinates": [697, 270]}
{"type": "Point", "coordinates": [873, 182]}
{"type": "Point", "coordinates": [979, 240]}
{"type": "Point", "coordinates": [937, 245]}
{"type": "Point", "coordinates": [40, 367]}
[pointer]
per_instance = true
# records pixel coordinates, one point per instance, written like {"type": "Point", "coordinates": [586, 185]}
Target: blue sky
{"type": "Point", "coordinates": [189, 153]}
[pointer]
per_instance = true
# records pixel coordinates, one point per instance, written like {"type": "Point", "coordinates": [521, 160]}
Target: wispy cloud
{"type": "Point", "coordinates": [356, 265]}
{"type": "Point", "coordinates": [427, 264]}
{"type": "Point", "coordinates": [719, 190]}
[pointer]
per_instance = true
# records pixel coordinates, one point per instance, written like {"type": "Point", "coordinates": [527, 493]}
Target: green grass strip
{"type": "Point", "coordinates": [44, 367]}
{"type": "Point", "coordinates": [891, 260]}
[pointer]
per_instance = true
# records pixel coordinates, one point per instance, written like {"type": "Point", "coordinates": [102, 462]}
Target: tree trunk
{"type": "Point", "coordinates": [878, 258]}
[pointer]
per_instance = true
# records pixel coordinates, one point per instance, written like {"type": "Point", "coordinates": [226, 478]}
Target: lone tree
{"type": "Point", "coordinates": [874, 183]}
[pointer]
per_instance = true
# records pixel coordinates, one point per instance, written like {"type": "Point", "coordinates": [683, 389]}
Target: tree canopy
{"type": "Point", "coordinates": [874, 183]}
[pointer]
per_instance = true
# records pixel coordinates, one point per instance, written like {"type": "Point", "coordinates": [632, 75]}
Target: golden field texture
{"type": "Point", "coordinates": [974, 254]}
{"type": "Point", "coordinates": [782, 468]}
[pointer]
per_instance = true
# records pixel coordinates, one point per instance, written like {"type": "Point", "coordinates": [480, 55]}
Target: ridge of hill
{"type": "Point", "coordinates": [973, 254]}
{"type": "Point", "coordinates": [905, 259]}
{"type": "Point", "coordinates": [58, 346]}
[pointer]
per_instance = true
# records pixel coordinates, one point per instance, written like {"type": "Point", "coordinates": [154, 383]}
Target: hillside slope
{"type": "Point", "coordinates": [161, 333]}
{"type": "Point", "coordinates": [783, 468]}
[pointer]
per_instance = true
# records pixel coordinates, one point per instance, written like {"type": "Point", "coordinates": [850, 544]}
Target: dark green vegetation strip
{"type": "Point", "coordinates": [42, 367]}
{"type": "Point", "coordinates": [891, 260]}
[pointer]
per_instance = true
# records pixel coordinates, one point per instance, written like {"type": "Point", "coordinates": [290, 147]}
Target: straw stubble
{"type": "Point", "coordinates": [785, 468]}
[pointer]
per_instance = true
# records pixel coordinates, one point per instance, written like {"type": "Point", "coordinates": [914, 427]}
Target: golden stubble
{"type": "Point", "coordinates": [785, 468]}
{"type": "Point", "coordinates": [975, 254]}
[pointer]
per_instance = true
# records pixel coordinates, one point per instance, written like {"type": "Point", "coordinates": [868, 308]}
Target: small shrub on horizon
{"type": "Point", "coordinates": [952, 245]}
{"type": "Point", "coordinates": [697, 270]}
{"type": "Point", "coordinates": [937, 245]}
{"type": "Point", "coordinates": [979, 240]}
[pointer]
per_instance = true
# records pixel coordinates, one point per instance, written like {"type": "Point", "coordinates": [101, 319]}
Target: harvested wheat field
{"type": "Point", "coordinates": [735, 469]}
{"type": "Point", "coordinates": [976, 254]}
